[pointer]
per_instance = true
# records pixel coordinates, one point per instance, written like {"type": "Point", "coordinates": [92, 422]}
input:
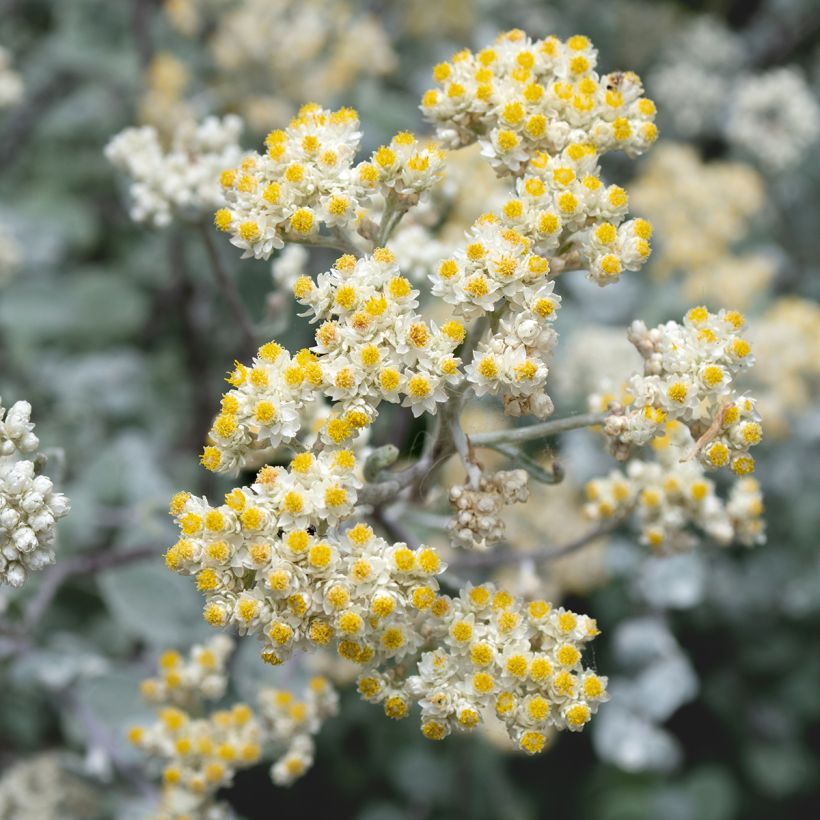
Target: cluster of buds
{"type": "Point", "coordinates": [477, 523]}
{"type": "Point", "coordinates": [689, 375]}
{"type": "Point", "coordinates": [672, 495]}
{"type": "Point", "coordinates": [180, 181]}
{"type": "Point", "coordinates": [201, 750]}
{"type": "Point", "coordinates": [307, 180]}
{"type": "Point", "coordinates": [29, 507]}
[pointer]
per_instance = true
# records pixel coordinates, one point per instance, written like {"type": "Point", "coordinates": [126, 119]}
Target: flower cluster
{"type": "Point", "coordinates": [202, 750]}
{"type": "Point", "coordinates": [543, 114]}
{"type": "Point", "coordinates": [689, 373]}
{"type": "Point", "coordinates": [372, 343]}
{"type": "Point", "coordinates": [200, 754]}
{"type": "Point", "coordinates": [46, 785]}
{"type": "Point", "coordinates": [182, 181]}
{"type": "Point", "coordinates": [290, 724]}
{"type": "Point", "coordinates": [708, 87]}
{"type": "Point", "coordinates": [29, 507]}
{"type": "Point", "coordinates": [787, 348]}
{"type": "Point", "coordinates": [521, 97]}
{"type": "Point", "coordinates": [185, 682]}
{"type": "Point", "coordinates": [265, 406]}
{"type": "Point", "coordinates": [477, 523]}
{"type": "Point", "coordinates": [496, 652]}
{"type": "Point", "coordinates": [272, 562]}
{"type": "Point", "coordinates": [672, 494]}
{"type": "Point", "coordinates": [307, 180]}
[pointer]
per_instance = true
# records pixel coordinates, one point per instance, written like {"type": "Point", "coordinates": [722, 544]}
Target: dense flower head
{"type": "Point", "coordinates": [671, 495]}
{"type": "Point", "coordinates": [265, 406]}
{"type": "Point", "coordinates": [183, 179]}
{"type": "Point", "coordinates": [522, 97]}
{"type": "Point", "coordinates": [29, 506]}
{"type": "Point", "coordinates": [306, 180]}
{"type": "Point", "coordinates": [372, 343]}
{"type": "Point", "coordinates": [497, 653]}
{"type": "Point", "coordinates": [273, 561]}
{"type": "Point", "coordinates": [689, 375]}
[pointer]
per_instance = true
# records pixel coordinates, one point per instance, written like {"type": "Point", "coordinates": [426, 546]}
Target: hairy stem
{"type": "Point", "coordinates": [536, 431]}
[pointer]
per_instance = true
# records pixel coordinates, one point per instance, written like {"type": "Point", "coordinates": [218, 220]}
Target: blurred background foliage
{"type": "Point", "coordinates": [117, 336]}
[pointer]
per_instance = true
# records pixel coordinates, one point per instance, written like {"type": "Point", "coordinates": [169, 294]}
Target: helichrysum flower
{"type": "Point", "coordinates": [673, 495]}
{"type": "Point", "coordinates": [200, 754]}
{"type": "Point", "coordinates": [521, 97]}
{"type": "Point", "coordinates": [689, 375]}
{"type": "Point", "coordinates": [306, 182]}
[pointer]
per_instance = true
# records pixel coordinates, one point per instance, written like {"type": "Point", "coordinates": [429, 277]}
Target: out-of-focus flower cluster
{"type": "Point", "coordinates": [185, 682]}
{"type": "Point", "coordinates": [42, 787]}
{"type": "Point", "coordinates": [307, 180]}
{"type": "Point", "coordinates": [671, 495]}
{"type": "Point", "coordinates": [707, 89]}
{"type": "Point", "coordinates": [29, 507]}
{"type": "Point", "coordinates": [201, 751]}
{"type": "Point", "coordinates": [290, 724]}
{"type": "Point", "coordinates": [689, 375]}
{"type": "Point", "coordinates": [269, 55]}
{"type": "Point", "coordinates": [182, 180]}
{"type": "Point", "coordinates": [787, 372]}
{"type": "Point", "coordinates": [702, 211]}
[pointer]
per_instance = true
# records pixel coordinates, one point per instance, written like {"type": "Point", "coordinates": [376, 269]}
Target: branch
{"type": "Point", "coordinates": [231, 294]}
{"type": "Point", "coordinates": [495, 559]}
{"type": "Point", "coordinates": [535, 431]}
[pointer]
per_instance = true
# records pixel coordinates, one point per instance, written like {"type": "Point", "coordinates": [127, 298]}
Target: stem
{"type": "Point", "coordinates": [495, 559]}
{"type": "Point", "coordinates": [535, 431]}
{"type": "Point", "coordinates": [336, 242]}
{"type": "Point", "coordinates": [230, 293]}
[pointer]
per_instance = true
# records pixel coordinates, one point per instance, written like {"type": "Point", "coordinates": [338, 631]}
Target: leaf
{"type": "Point", "coordinates": [153, 604]}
